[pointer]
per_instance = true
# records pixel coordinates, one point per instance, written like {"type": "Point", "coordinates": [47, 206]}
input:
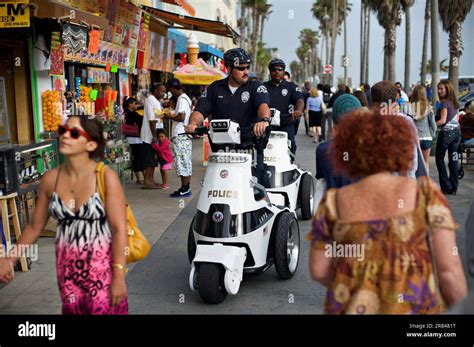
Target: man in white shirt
{"type": "Point", "coordinates": [148, 133]}
{"type": "Point", "coordinates": [181, 144]}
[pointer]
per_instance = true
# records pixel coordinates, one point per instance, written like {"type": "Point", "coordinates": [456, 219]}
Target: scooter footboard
{"type": "Point", "coordinates": [231, 257]}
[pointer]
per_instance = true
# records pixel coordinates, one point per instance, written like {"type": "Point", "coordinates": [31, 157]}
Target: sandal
{"type": "Point", "coordinates": [164, 186]}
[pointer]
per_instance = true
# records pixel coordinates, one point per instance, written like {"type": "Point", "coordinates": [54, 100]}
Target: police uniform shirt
{"type": "Point", "coordinates": [283, 95]}
{"type": "Point", "coordinates": [241, 107]}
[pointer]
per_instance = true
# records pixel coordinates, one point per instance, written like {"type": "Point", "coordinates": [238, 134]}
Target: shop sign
{"type": "Point", "coordinates": [14, 14]}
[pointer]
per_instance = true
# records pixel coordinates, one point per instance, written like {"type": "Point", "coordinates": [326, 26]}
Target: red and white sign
{"type": "Point", "coordinates": [327, 69]}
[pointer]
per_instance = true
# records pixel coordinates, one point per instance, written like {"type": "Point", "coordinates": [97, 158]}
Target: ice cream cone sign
{"type": "Point", "coordinates": [193, 49]}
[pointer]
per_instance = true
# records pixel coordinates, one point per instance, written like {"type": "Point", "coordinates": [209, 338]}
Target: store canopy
{"type": "Point", "coordinates": [200, 74]}
{"type": "Point", "coordinates": [191, 23]}
{"type": "Point", "coordinates": [181, 44]}
{"type": "Point", "coordinates": [183, 4]}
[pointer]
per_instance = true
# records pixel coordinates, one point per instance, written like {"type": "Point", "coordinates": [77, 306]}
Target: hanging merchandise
{"type": "Point", "coordinates": [57, 59]}
{"type": "Point", "coordinates": [75, 39]}
{"type": "Point", "coordinates": [183, 59]}
{"type": "Point", "coordinates": [97, 75]}
{"type": "Point", "coordinates": [124, 84]}
{"type": "Point", "coordinates": [143, 33]}
{"type": "Point", "coordinates": [77, 85]}
{"type": "Point", "coordinates": [41, 54]}
{"type": "Point", "coordinates": [94, 41]}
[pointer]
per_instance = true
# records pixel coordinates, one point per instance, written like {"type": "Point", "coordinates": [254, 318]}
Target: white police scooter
{"type": "Point", "coordinates": [286, 177]}
{"type": "Point", "coordinates": [232, 233]}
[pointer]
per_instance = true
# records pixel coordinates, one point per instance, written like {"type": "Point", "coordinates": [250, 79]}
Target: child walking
{"type": "Point", "coordinates": [165, 157]}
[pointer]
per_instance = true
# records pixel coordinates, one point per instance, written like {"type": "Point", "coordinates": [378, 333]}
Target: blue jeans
{"type": "Point", "coordinates": [448, 141]}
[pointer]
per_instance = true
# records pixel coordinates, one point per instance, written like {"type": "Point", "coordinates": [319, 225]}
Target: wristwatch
{"type": "Point", "coordinates": [266, 119]}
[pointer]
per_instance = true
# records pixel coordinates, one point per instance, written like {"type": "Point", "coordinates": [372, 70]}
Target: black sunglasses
{"type": "Point", "coordinates": [278, 69]}
{"type": "Point", "coordinates": [242, 68]}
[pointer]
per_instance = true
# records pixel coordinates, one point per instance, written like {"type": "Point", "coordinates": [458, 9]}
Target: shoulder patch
{"type": "Point", "coordinates": [262, 89]}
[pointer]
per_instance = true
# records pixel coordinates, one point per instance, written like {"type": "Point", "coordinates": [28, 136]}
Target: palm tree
{"type": "Point", "coordinates": [245, 23]}
{"type": "Point", "coordinates": [297, 71]}
{"type": "Point", "coordinates": [452, 14]}
{"type": "Point", "coordinates": [264, 14]}
{"type": "Point", "coordinates": [309, 40]}
{"type": "Point", "coordinates": [336, 12]}
{"type": "Point", "coordinates": [425, 42]}
{"type": "Point", "coordinates": [442, 66]}
{"type": "Point", "coordinates": [260, 12]}
{"type": "Point", "coordinates": [263, 58]}
{"type": "Point", "coordinates": [389, 16]}
{"type": "Point", "coordinates": [406, 4]}
{"type": "Point", "coordinates": [241, 22]}
{"type": "Point", "coordinates": [364, 41]}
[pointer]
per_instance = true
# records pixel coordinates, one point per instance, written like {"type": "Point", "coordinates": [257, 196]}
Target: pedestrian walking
{"type": "Point", "coordinates": [449, 137]}
{"type": "Point", "coordinates": [362, 99]}
{"type": "Point", "coordinates": [423, 116]}
{"type": "Point", "coordinates": [324, 166]}
{"type": "Point", "coordinates": [181, 144]}
{"type": "Point", "coordinates": [131, 130]}
{"type": "Point", "coordinates": [148, 133]}
{"type": "Point", "coordinates": [384, 100]}
{"type": "Point", "coordinates": [91, 237]}
{"type": "Point", "coordinates": [371, 251]}
{"type": "Point", "coordinates": [314, 107]}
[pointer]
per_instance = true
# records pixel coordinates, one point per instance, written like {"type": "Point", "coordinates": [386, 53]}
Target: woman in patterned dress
{"type": "Point", "coordinates": [370, 244]}
{"type": "Point", "coordinates": [91, 236]}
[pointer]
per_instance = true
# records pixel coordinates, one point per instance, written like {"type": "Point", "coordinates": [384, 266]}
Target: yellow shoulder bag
{"type": "Point", "coordinates": [138, 246]}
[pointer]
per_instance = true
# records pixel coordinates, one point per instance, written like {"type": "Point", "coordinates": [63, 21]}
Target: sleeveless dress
{"type": "Point", "coordinates": [394, 274]}
{"type": "Point", "coordinates": [84, 257]}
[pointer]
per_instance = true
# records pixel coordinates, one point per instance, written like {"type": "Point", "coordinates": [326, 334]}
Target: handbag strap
{"type": "Point", "coordinates": [100, 174]}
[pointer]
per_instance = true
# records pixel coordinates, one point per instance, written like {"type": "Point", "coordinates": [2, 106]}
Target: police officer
{"type": "Point", "coordinates": [286, 97]}
{"type": "Point", "coordinates": [236, 98]}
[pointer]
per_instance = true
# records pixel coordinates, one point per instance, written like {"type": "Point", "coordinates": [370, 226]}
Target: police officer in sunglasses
{"type": "Point", "coordinates": [286, 97]}
{"type": "Point", "coordinates": [237, 98]}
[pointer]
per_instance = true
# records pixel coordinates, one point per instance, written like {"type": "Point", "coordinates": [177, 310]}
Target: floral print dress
{"type": "Point", "coordinates": [395, 274]}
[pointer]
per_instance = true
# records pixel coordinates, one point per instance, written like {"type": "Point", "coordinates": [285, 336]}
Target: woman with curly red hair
{"type": "Point", "coordinates": [370, 239]}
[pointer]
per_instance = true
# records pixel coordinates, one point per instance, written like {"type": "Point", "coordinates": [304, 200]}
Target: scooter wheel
{"type": "Point", "coordinates": [191, 243]}
{"type": "Point", "coordinates": [211, 283]}
{"type": "Point", "coordinates": [287, 245]}
{"type": "Point", "coordinates": [307, 196]}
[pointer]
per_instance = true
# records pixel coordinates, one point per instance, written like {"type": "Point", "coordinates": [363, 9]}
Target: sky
{"type": "Point", "coordinates": [290, 16]}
